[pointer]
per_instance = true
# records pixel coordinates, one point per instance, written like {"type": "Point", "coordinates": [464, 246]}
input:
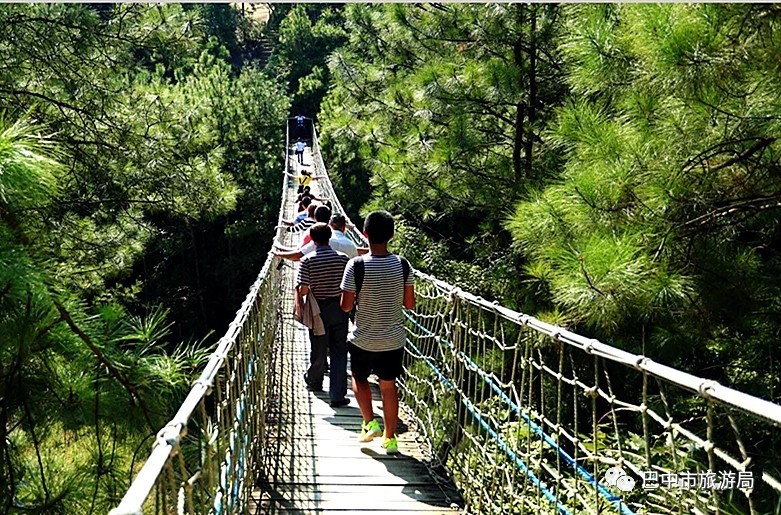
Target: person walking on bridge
{"type": "Point", "coordinates": [320, 274]}
{"type": "Point", "coordinates": [304, 206]}
{"type": "Point", "coordinates": [301, 225]}
{"type": "Point", "coordinates": [300, 127]}
{"type": "Point", "coordinates": [300, 145]}
{"type": "Point", "coordinates": [304, 179]}
{"type": "Point", "coordinates": [379, 283]}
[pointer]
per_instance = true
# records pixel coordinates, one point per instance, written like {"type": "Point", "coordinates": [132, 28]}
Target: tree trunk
{"type": "Point", "coordinates": [197, 266]}
{"type": "Point", "coordinates": [520, 108]}
{"type": "Point", "coordinates": [530, 112]}
{"type": "Point", "coordinates": [518, 143]}
{"type": "Point", "coordinates": [7, 480]}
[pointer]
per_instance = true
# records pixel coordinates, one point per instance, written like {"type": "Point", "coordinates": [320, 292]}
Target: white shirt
{"type": "Point", "coordinates": [379, 318]}
{"type": "Point", "coordinates": [299, 147]}
{"type": "Point", "coordinates": [339, 242]}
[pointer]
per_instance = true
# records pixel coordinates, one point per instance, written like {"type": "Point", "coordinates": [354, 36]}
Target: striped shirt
{"type": "Point", "coordinates": [338, 242]}
{"type": "Point", "coordinates": [301, 226]}
{"type": "Point", "coordinates": [322, 271]}
{"type": "Point", "coordinates": [379, 320]}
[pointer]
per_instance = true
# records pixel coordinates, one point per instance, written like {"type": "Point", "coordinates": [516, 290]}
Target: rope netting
{"type": "Point", "coordinates": [525, 416]}
{"type": "Point", "coordinates": [207, 458]}
{"type": "Point", "coordinates": [528, 417]}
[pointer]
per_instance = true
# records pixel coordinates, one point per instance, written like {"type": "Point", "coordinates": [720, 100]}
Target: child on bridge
{"type": "Point", "coordinates": [381, 284]}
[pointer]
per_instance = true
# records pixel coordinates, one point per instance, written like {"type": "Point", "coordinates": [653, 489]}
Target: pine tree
{"type": "Point", "coordinates": [663, 222]}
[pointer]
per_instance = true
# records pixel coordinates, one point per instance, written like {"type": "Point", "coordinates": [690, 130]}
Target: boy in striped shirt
{"type": "Point", "coordinates": [383, 285]}
{"type": "Point", "coordinates": [319, 275]}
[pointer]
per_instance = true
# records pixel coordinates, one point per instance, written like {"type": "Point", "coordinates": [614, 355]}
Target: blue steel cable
{"type": "Point", "coordinates": [495, 436]}
{"type": "Point", "coordinates": [585, 474]}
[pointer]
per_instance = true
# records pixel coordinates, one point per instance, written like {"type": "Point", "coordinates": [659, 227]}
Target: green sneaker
{"type": "Point", "coordinates": [370, 430]}
{"type": "Point", "coordinates": [391, 445]}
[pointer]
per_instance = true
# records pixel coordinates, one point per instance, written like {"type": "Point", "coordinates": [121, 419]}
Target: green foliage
{"type": "Point", "coordinates": [440, 110]}
{"type": "Point", "coordinates": [307, 35]}
{"type": "Point", "coordinates": [65, 367]}
{"type": "Point", "coordinates": [128, 143]}
{"type": "Point", "coordinates": [664, 215]}
{"type": "Point", "coordinates": [610, 168]}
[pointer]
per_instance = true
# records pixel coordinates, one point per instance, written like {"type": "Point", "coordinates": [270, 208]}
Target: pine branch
{"type": "Point", "coordinates": [588, 278]}
{"type": "Point", "coordinates": [757, 203]}
{"type": "Point", "coordinates": [99, 470]}
{"type": "Point", "coordinates": [112, 370]}
{"type": "Point", "coordinates": [41, 96]}
{"type": "Point", "coordinates": [758, 146]}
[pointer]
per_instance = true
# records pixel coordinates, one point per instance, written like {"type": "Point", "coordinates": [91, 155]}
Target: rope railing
{"type": "Point", "coordinates": [206, 459]}
{"type": "Point", "coordinates": [528, 417]}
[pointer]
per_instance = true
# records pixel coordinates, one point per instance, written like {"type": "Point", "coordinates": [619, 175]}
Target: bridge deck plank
{"type": "Point", "coordinates": [313, 462]}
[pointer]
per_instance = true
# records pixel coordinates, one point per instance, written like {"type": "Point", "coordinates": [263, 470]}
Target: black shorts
{"type": "Point", "coordinates": [387, 364]}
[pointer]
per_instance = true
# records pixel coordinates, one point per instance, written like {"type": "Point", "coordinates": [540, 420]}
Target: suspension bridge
{"type": "Point", "coordinates": [502, 413]}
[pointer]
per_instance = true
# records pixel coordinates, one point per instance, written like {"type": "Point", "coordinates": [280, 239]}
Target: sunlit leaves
{"type": "Point", "coordinates": [124, 127]}
{"type": "Point", "coordinates": [669, 136]}
{"type": "Point", "coordinates": [28, 175]}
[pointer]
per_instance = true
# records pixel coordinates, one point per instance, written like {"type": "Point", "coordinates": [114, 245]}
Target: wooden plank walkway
{"type": "Point", "coordinates": [313, 462]}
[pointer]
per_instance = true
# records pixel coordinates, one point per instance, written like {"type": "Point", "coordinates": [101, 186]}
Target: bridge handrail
{"type": "Point", "coordinates": [703, 387]}
{"type": "Point", "coordinates": [167, 440]}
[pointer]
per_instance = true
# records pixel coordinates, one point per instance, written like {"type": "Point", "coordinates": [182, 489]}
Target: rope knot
{"type": "Point", "coordinates": [590, 392]}
{"type": "Point", "coordinates": [207, 386]}
{"type": "Point", "coordinates": [171, 435]}
{"type": "Point", "coordinates": [706, 387]}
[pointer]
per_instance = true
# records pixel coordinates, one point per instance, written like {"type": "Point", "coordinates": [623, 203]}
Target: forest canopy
{"type": "Point", "coordinates": [611, 168]}
{"type": "Point", "coordinates": [135, 153]}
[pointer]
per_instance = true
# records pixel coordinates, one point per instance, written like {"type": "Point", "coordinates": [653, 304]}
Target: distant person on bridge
{"type": "Point", "coordinates": [315, 214]}
{"type": "Point", "coordinates": [304, 206]}
{"type": "Point", "coordinates": [300, 127]}
{"type": "Point", "coordinates": [320, 275]}
{"type": "Point", "coordinates": [303, 225]}
{"type": "Point", "coordinates": [322, 215]}
{"type": "Point", "coordinates": [308, 193]}
{"type": "Point", "coordinates": [300, 146]}
{"type": "Point", "coordinates": [304, 179]}
{"type": "Point", "coordinates": [379, 283]}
